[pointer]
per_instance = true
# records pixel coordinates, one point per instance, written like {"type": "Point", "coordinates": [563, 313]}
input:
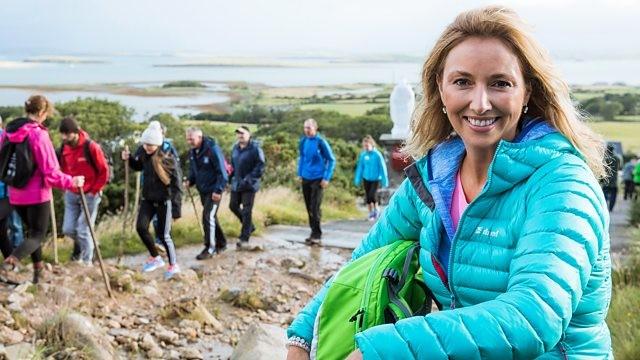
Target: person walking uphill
{"type": "Point", "coordinates": [161, 179]}
{"type": "Point", "coordinates": [208, 173]}
{"type": "Point", "coordinates": [248, 161]}
{"type": "Point", "coordinates": [372, 171]}
{"type": "Point", "coordinates": [505, 205]}
{"type": "Point", "coordinates": [627, 177]}
{"type": "Point", "coordinates": [79, 155]}
{"type": "Point", "coordinates": [31, 197]}
{"type": "Point", "coordinates": [315, 168]}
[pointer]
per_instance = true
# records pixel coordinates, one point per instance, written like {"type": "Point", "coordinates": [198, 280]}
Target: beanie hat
{"type": "Point", "coordinates": [152, 135]}
{"type": "Point", "coordinates": [69, 125]}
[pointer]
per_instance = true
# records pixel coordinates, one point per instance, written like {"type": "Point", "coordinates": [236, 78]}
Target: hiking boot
{"type": "Point", "coordinates": [313, 240]}
{"type": "Point", "coordinates": [38, 271]}
{"type": "Point", "coordinates": [171, 270]}
{"type": "Point", "coordinates": [242, 245]}
{"type": "Point", "coordinates": [206, 253]}
{"type": "Point", "coordinates": [152, 263]}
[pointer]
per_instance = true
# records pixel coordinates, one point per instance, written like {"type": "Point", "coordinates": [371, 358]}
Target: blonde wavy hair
{"type": "Point", "coordinates": [549, 99]}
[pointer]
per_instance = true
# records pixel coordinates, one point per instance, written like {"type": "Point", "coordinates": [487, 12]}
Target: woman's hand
{"type": "Point", "coordinates": [77, 181]}
{"type": "Point", "coordinates": [356, 355]}
{"type": "Point", "coordinates": [297, 353]}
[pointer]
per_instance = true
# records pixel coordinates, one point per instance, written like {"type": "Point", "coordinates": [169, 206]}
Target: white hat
{"type": "Point", "coordinates": [152, 135]}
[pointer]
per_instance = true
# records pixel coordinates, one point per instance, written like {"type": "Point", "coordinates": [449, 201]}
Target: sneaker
{"type": "Point", "coordinates": [206, 253]}
{"type": "Point", "coordinates": [152, 263]}
{"type": "Point", "coordinates": [171, 270]}
{"type": "Point", "coordinates": [242, 245]}
{"type": "Point", "coordinates": [219, 250]}
{"type": "Point", "coordinates": [371, 216]}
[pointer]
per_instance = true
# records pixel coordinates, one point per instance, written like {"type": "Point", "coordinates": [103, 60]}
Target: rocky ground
{"type": "Point", "coordinates": [202, 313]}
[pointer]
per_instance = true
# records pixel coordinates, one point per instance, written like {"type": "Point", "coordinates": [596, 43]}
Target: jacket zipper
{"type": "Point", "coordinates": [462, 218]}
{"type": "Point", "coordinates": [563, 350]}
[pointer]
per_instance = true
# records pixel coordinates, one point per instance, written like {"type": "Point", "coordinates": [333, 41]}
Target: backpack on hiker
{"type": "Point", "coordinates": [16, 163]}
{"type": "Point", "coordinates": [381, 287]}
{"type": "Point", "coordinates": [87, 155]}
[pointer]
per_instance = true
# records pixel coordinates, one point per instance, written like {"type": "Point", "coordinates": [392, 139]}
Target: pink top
{"type": "Point", "coordinates": [47, 173]}
{"type": "Point", "coordinates": [458, 202]}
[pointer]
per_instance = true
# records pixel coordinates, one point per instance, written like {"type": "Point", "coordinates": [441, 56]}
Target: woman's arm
{"type": "Point", "coordinates": [557, 249]}
{"type": "Point", "coordinates": [399, 221]}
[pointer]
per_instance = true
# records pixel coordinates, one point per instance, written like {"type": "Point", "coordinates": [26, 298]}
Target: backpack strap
{"type": "Point", "coordinates": [88, 156]}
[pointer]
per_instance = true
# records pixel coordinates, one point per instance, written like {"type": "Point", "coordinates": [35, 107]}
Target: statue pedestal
{"type": "Point", "coordinates": [396, 163]}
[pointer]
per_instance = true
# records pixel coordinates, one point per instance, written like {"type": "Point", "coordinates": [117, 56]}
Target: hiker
{"type": "Point", "coordinates": [371, 170]}
{"type": "Point", "coordinates": [247, 160]}
{"type": "Point", "coordinates": [12, 221]}
{"type": "Point", "coordinates": [627, 177]}
{"type": "Point", "coordinates": [208, 173]}
{"type": "Point", "coordinates": [161, 179]}
{"type": "Point", "coordinates": [176, 199]}
{"type": "Point", "coordinates": [636, 179]}
{"type": "Point", "coordinates": [517, 248]}
{"type": "Point", "coordinates": [79, 155]}
{"type": "Point", "coordinates": [315, 168]}
{"type": "Point", "coordinates": [31, 198]}
{"type": "Point", "coordinates": [610, 181]}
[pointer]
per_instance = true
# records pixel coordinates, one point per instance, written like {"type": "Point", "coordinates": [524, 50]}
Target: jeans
{"type": "Point", "coordinates": [15, 229]}
{"type": "Point", "coordinates": [75, 225]}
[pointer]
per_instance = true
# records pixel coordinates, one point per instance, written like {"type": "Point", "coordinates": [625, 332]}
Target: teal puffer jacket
{"type": "Point", "coordinates": [528, 272]}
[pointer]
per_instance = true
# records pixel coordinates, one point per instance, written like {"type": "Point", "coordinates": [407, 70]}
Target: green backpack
{"type": "Point", "coordinates": [381, 287]}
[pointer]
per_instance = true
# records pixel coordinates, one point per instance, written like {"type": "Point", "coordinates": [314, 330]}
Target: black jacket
{"type": "Point", "coordinates": [248, 167]}
{"type": "Point", "coordinates": [153, 189]}
{"type": "Point", "coordinates": [206, 167]}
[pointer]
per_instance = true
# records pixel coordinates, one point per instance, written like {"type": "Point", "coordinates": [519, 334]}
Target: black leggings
{"type": "Point", "coordinates": [370, 189]}
{"type": "Point", "coordinates": [146, 212]}
{"type": "Point", "coordinates": [36, 220]}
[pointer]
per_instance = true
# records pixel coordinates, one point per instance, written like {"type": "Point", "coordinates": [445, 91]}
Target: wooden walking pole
{"type": "Point", "coordinates": [54, 230]}
{"type": "Point", "coordinates": [87, 217]}
{"type": "Point", "coordinates": [125, 211]}
{"type": "Point", "coordinates": [195, 210]}
{"type": "Point", "coordinates": [136, 202]}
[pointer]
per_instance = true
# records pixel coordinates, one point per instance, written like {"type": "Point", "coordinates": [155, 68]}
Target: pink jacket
{"type": "Point", "coordinates": [47, 173]}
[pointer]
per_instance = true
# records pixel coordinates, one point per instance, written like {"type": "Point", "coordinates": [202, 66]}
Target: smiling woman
{"type": "Point", "coordinates": [505, 204]}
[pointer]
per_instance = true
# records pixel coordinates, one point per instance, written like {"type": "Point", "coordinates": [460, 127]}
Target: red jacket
{"type": "Point", "coordinates": [74, 163]}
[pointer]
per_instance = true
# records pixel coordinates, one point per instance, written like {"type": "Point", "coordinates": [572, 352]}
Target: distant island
{"type": "Point", "coordinates": [63, 60]}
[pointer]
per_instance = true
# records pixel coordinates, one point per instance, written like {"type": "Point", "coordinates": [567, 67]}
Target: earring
{"type": "Point", "coordinates": [525, 109]}
{"type": "Point", "coordinates": [444, 110]}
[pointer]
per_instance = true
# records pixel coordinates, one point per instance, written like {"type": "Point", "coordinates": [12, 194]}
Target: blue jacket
{"type": "Point", "coordinates": [248, 167]}
{"type": "Point", "coordinates": [529, 272]}
{"type": "Point", "coordinates": [371, 167]}
{"type": "Point", "coordinates": [206, 167]}
{"type": "Point", "coordinates": [316, 160]}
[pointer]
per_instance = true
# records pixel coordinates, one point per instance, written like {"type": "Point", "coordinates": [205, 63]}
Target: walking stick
{"type": "Point", "coordinates": [87, 217]}
{"type": "Point", "coordinates": [54, 230]}
{"type": "Point", "coordinates": [126, 206]}
{"type": "Point", "coordinates": [195, 210]}
{"type": "Point", "coordinates": [136, 202]}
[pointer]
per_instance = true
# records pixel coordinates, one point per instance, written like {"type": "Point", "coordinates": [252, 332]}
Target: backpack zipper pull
{"type": "Point", "coordinates": [355, 316]}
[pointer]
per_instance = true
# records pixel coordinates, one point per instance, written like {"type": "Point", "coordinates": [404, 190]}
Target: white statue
{"type": "Point", "coordinates": [401, 105]}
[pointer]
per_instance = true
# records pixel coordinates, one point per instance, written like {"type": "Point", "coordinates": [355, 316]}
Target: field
{"type": "Point", "coordinates": [625, 131]}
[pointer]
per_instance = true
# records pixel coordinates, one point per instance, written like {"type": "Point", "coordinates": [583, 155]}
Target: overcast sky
{"type": "Point", "coordinates": [568, 28]}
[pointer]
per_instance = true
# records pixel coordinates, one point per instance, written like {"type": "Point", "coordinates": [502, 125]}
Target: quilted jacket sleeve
{"type": "Point", "coordinates": [399, 221]}
{"type": "Point", "coordinates": [557, 248]}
